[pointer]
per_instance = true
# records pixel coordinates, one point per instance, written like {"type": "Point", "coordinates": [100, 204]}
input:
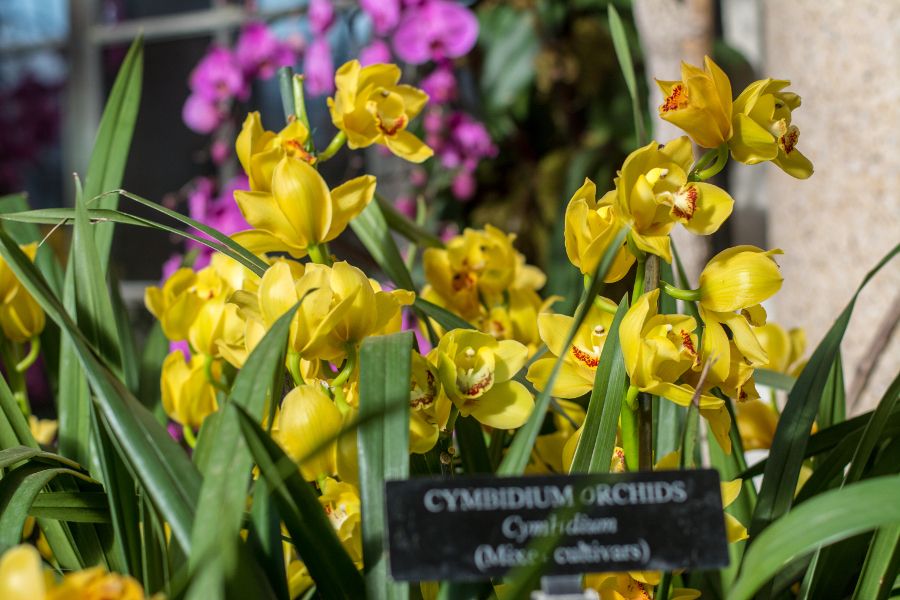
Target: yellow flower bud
{"type": "Point", "coordinates": [699, 104]}
{"type": "Point", "coordinates": [21, 317]}
{"type": "Point", "coordinates": [590, 227]}
{"type": "Point", "coordinates": [370, 107]}
{"type": "Point", "coordinates": [188, 396]}
{"type": "Point", "coordinates": [739, 278]}
{"type": "Point", "coordinates": [299, 211]}
{"type": "Point", "coordinates": [308, 428]}
{"type": "Point", "coordinates": [476, 371]}
{"type": "Point", "coordinates": [763, 129]}
{"type": "Point", "coordinates": [21, 574]}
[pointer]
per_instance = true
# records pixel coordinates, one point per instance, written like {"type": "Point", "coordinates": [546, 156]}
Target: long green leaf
{"type": "Point", "coordinates": [82, 507]}
{"type": "Point", "coordinates": [881, 566]}
{"type": "Point", "coordinates": [107, 164]}
{"type": "Point", "coordinates": [832, 408]}
{"type": "Point", "coordinates": [441, 316]}
{"type": "Point", "coordinates": [620, 43]}
{"type": "Point", "coordinates": [372, 230]}
{"type": "Point", "coordinates": [792, 434]}
{"type": "Point", "coordinates": [18, 489]}
{"type": "Point", "coordinates": [517, 456]}
{"type": "Point", "coordinates": [598, 437]}
{"type": "Point", "coordinates": [828, 518]}
{"type": "Point", "coordinates": [409, 229]}
{"type": "Point", "coordinates": [152, 456]}
{"type": "Point", "coordinates": [774, 379]}
{"type": "Point", "coordinates": [25, 233]}
{"type": "Point", "coordinates": [473, 450]}
{"type": "Point", "coordinates": [384, 367]}
{"type": "Point", "coordinates": [223, 496]}
{"type": "Point", "coordinates": [311, 532]}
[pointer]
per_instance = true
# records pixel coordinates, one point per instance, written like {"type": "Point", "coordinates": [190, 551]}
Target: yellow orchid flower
{"type": "Point", "coordinates": [309, 419]}
{"type": "Point", "coordinates": [259, 150]}
{"type": "Point", "coordinates": [23, 577]}
{"type": "Point", "coordinates": [634, 585]}
{"type": "Point", "coordinates": [370, 107]}
{"type": "Point", "coordinates": [590, 226]}
{"type": "Point", "coordinates": [476, 373]}
{"type": "Point", "coordinates": [653, 193]}
{"type": "Point", "coordinates": [300, 211]}
{"type": "Point", "coordinates": [475, 263]}
{"type": "Point", "coordinates": [756, 422]}
{"type": "Point", "coordinates": [580, 360]}
{"type": "Point", "coordinates": [699, 104]}
{"type": "Point", "coordinates": [734, 530]}
{"type": "Point", "coordinates": [188, 396]}
{"type": "Point", "coordinates": [342, 307]}
{"type": "Point", "coordinates": [783, 348]}
{"type": "Point", "coordinates": [340, 500]}
{"type": "Point", "coordinates": [21, 317]}
{"type": "Point", "coordinates": [425, 411]}
{"type": "Point", "coordinates": [739, 278]}
{"type": "Point", "coordinates": [763, 129]}
{"type": "Point", "coordinates": [549, 452]}
{"type": "Point", "coordinates": [659, 349]}
{"type": "Point", "coordinates": [43, 430]}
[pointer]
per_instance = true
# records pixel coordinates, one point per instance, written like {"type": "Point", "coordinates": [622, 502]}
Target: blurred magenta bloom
{"type": "Point", "coordinates": [201, 114]}
{"type": "Point", "coordinates": [463, 186]}
{"type": "Point", "coordinates": [435, 30]}
{"type": "Point", "coordinates": [219, 151]}
{"type": "Point", "coordinates": [440, 85]}
{"type": "Point", "coordinates": [318, 68]}
{"type": "Point", "coordinates": [375, 53]}
{"type": "Point", "coordinates": [259, 53]}
{"type": "Point", "coordinates": [471, 137]}
{"type": "Point", "coordinates": [321, 16]}
{"type": "Point", "coordinates": [385, 14]}
{"type": "Point", "coordinates": [218, 76]}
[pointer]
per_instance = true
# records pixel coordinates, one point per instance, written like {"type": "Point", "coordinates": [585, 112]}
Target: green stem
{"type": "Point", "coordinates": [32, 355]}
{"type": "Point", "coordinates": [15, 377]}
{"type": "Point", "coordinates": [293, 366]}
{"type": "Point", "coordinates": [638, 290]}
{"type": "Point", "coordinates": [704, 160]}
{"type": "Point", "coordinates": [189, 436]}
{"type": "Point", "coordinates": [629, 421]}
{"type": "Point", "coordinates": [709, 172]}
{"type": "Point", "coordinates": [285, 85]}
{"type": "Point", "coordinates": [300, 109]}
{"type": "Point", "coordinates": [211, 377]}
{"type": "Point", "coordinates": [662, 591]}
{"type": "Point", "coordinates": [336, 143]}
{"type": "Point", "coordinates": [318, 253]}
{"type": "Point", "coordinates": [680, 294]}
{"type": "Point", "coordinates": [645, 401]}
{"type": "Point", "coordinates": [347, 369]}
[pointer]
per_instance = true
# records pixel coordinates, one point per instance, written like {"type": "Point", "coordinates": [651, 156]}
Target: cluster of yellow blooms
{"type": "Point", "coordinates": [222, 311]}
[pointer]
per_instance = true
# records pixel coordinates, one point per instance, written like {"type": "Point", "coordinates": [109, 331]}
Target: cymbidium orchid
{"type": "Point", "coordinates": [300, 212]}
{"type": "Point", "coordinates": [659, 349]}
{"type": "Point", "coordinates": [23, 577]}
{"type": "Point", "coordinates": [739, 278]}
{"type": "Point", "coordinates": [307, 428]}
{"type": "Point", "coordinates": [591, 226]}
{"type": "Point", "coordinates": [428, 408]}
{"type": "Point", "coordinates": [653, 193]}
{"type": "Point", "coordinates": [259, 151]}
{"type": "Point", "coordinates": [784, 349]}
{"type": "Point", "coordinates": [476, 373]}
{"type": "Point", "coordinates": [371, 107]}
{"type": "Point", "coordinates": [188, 394]}
{"type": "Point", "coordinates": [699, 104]}
{"type": "Point", "coordinates": [341, 504]}
{"type": "Point", "coordinates": [763, 129]}
{"type": "Point", "coordinates": [340, 307]}
{"type": "Point", "coordinates": [21, 317]}
{"type": "Point", "coordinates": [580, 359]}
{"type": "Point", "coordinates": [549, 452]}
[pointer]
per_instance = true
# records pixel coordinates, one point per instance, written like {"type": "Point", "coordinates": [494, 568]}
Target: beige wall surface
{"type": "Point", "coordinates": [843, 58]}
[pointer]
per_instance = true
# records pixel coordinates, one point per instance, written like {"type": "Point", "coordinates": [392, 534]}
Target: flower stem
{"type": "Point", "coordinates": [702, 174]}
{"type": "Point", "coordinates": [293, 366]}
{"type": "Point", "coordinates": [638, 290]}
{"type": "Point", "coordinates": [347, 369]}
{"type": "Point", "coordinates": [680, 294]}
{"type": "Point", "coordinates": [15, 377]}
{"type": "Point", "coordinates": [211, 377]}
{"type": "Point", "coordinates": [189, 436]}
{"type": "Point", "coordinates": [319, 253]}
{"type": "Point", "coordinates": [645, 401]}
{"type": "Point", "coordinates": [32, 355]}
{"type": "Point", "coordinates": [336, 143]}
{"type": "Point", "coordinates": [629, 423]}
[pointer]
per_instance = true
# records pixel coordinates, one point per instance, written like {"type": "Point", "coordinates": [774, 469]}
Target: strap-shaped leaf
{"type": "Point", "coordinates": [384, 370]}
{"type": "Point", "coordinates": [311, 532]}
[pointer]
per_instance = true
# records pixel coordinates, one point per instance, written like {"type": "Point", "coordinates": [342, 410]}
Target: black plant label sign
{"type": "Point", "coordinates": [470, 528]}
